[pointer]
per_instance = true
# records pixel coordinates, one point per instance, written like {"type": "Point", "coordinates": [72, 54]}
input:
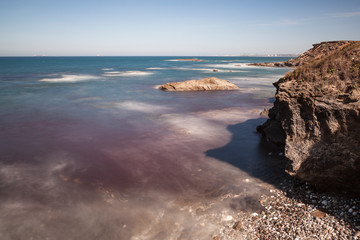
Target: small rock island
{"type": "Point", "coordinates": [190, 60]}
{"type": "Point", "coordinates": [205, 84]}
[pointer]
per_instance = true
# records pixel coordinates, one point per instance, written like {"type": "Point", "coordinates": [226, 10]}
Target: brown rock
{"type": "Point", "coordinates": [316, 117]}
{"type": "Point", "coordinates": [318, 214]}
{"type": "Point", "coordinates": [264, 113]}
{"type": "Point", "coordinates": [206, 84]}
{"type": "Point", "coordinates": [238, 226]}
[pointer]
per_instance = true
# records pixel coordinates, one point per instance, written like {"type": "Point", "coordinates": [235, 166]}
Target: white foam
{"type": "Point", "coordinates": [208, 124]}
{"type": "Point", "coordinates": [182, 68]}
{"type": "Point", "coordinates": [107, 69]}
{"type": "Point", "coordinates": [246, 65]}
{"type": "Point", "coordinates": [141, 107]}
{"type": "Point", "coordinates": [229, 61]}
{"type": "Point", "coordinates": [193, 125]}
{"type": "Point", "coordinates": [205, 70]}
{"type": "Point", "coordinates": [258, 80]}
{"type": "Point", "coordinates": [252, 84]}
{"type": "Point", "coordinates": [232, 65]}
{"type": "Point", "coordinates": [155, 68]}
{"type": "Point", "coordinates": [223, 71]}
{"type": "Point", "coordinates": [185, 60]}
{"type": "Point", "coordinates": [228, 116]}
{"type": "Point", "coordinates": [126, 73]}
{"type": "Point", "coordinates": [237, 65]}
{"type": "Point", "coordinates": [70, 78]}
{"type": "Point", "coordinates": [114, 72]}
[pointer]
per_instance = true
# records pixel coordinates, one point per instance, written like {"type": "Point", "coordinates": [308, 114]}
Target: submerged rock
{"type": "Point", "coordinates": [205, 84]}
{"type": "Point", "coordinates": [316, 117]}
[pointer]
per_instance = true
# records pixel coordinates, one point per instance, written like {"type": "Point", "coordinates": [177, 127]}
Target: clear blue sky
{"type": "Point", "coordinates": [172, 27]}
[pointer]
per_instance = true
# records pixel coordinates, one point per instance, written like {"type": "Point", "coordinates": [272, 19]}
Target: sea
{"type": "Point", "coordinates": [90, 148]}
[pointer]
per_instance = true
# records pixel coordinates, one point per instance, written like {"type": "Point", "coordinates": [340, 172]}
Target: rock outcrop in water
{"type": "Point", "coordinates": [318, 51]}
{"type": "Point", "coordinates": [190, 60]}
{"type": "Point", "coordinates": [316, 117]}
{"type": "Point", "coordinates": [205, 84]}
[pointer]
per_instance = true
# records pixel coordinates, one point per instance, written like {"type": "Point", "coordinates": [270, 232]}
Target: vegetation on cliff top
{"type": "Point", "coordinates": [338, 71]}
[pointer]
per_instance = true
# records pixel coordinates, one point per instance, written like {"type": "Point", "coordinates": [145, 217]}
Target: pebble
{"type": "Point", "coordinates": [302, 213]}
{"type": "Point", "coordinates": [238, 226]}
{"type": "Point", "coordinates": [318, 214]}
{"type": "Point", "coordinates": [227, 218]}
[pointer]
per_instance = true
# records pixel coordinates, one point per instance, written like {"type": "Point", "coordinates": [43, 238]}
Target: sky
{"type": "Point", "coordinates": [172, 27]}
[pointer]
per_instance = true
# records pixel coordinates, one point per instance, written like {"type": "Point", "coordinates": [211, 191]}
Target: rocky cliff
{"type": "Point", "coordinates": [318, 51]}
{"type": "Point", "coordinates": [316, 117]}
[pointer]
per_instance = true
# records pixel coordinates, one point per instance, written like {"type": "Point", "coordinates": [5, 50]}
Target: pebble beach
{"type": "Point", "coordinates": [296, 210]}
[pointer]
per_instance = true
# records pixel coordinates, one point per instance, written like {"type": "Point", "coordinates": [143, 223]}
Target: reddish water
{"type": "Point", "coordinates": [118, 159]}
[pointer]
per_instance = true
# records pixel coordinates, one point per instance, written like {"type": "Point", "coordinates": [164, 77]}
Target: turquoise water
{"type": "Point", "coordinates": [88, 144]}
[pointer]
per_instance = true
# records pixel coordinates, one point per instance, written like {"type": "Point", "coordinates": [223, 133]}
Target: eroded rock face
{"type": "Point", "coordinates": [316, 117]}
{"type": "Point", "coordinates": [205, 84]}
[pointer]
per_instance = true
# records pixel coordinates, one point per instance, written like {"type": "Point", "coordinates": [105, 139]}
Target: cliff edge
{"type": "Point", "coordinates": [318, 51]}
{"type": "Point", "coordinates": [316, 117]}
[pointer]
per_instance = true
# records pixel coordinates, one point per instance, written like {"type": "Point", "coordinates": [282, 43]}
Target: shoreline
{"type": "Point", "coordinates": [295, 210]}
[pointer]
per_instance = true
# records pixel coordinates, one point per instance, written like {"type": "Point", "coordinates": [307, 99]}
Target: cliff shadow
{"type": "Point", "coordinates": [253, 154]}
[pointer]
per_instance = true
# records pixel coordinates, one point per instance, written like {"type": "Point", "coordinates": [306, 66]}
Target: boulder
{"type": "Point", "coordinates": [205, 84]}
